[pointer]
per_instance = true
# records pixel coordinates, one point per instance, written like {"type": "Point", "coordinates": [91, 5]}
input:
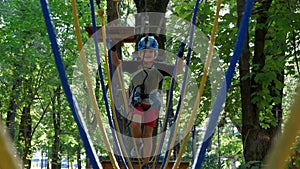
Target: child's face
{"type": "Point", "coordinates": [148, 55]}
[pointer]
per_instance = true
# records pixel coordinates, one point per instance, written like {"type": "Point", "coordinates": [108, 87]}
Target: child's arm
{"type": "Point", "coordinates": [179, 67]}
{"type": "Point", "coordinates": [114, 58]}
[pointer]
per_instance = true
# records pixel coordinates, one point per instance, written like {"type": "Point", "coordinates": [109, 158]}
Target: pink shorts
{"type": "Point", "coordinates": [150, 116]}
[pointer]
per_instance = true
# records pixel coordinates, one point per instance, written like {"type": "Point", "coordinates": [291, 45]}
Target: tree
{"type": "Point", "coordinates": [141, 26]}
{"type": "Point", "coordinates": [262, 78]}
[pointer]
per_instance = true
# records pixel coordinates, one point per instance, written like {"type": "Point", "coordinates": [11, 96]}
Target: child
{"type": "Point", "coordinates": [144, 99]}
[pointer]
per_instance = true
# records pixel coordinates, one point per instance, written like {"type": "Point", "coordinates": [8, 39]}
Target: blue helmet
{"type": "Point", "coordinates": [148, 42]}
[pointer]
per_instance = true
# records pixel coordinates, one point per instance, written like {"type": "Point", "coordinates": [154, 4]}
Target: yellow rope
{"type": "Point", "coordinates": [101, 14]}
{"type": "Point", "coordinates": [165, 120]}
{"type": "Point", "coordinates": [176, 127]}
{"type": "Point", "coordinates": [175, 131]}
{"type": "Point", "coordinates": [7, 158]}
{"type": "Point", "coordinates": [201, 88]}
{"type": "Point", "coordinates": [164, 123]}
{"type": "Point", "coordinates": [128, 111]}
{"type": "Point", "coordinates": [90, 87]}
{"type": "Point", "coordinates": [117, 7]}
{"type": "Point", "coordinates": [283, 147]}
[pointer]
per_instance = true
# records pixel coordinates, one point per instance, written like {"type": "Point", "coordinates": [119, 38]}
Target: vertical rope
{"type": "Point", "coordinates": [110, 86]}
{"type": "Point", "coordinates": [192, 28]}
{"type": "Point", "coordinates": [110, 120]}
{"type": "Point", "coordinates": [218, 105]}
{"type": "Point", "coordinates": [169, 105]}
{"type": "Point", "coordinates": [89, 84]}
{"type": "Point", "coordinates": [202, 85]}
{"type": "Point", "coordinates": [90, 151]}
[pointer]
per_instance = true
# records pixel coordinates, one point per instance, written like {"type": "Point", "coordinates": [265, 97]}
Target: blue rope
{"type": "Point", "coordinates": [225, 85]}
{"type": "Point", "coordinates": [188, 59]}
{"type": "Point", "coordinates": [114, 94]}
{"type": "Point", "coordinates": [103, 84]}
{"type": "Point", "coordinates": [112, 82]}
{"type": "Point", "coordinates": [90, 151]}
{"type": "Point", "coordinates": [181, 48]}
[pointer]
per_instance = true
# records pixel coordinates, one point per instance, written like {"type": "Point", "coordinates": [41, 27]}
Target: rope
{"type": "Point", "coordinates": [110, 85]}
{"type": "Point", "coordinates": [202, 85]}
{"type": "Point", "coordinates": [169, 105]}
{"type": "Point", "coordinates": [167, 155]}
{"type": "Point", "coordinates": [90, 151]}
{"type": "Point", "coordinates": [174, 129]}
{"type": "Point", "coordinates": [109, 70]}
{"type": "Point", "coordinates": [104, 88]}
{"type": "Point", "coordinates": [97, 112]}
{"type": "Point", "coordinates": [217, 108]}
{"type": "Point", "coordinates": [117, 7]}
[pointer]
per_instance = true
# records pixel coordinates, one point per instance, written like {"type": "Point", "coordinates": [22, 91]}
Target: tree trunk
{"type": "Point", "coordinates": [79, 154]}
{"type": "Point", "coordinates": [256, 140]}
{"type": "Point", "coordinates": [25, 136]}
{"type": "Point", "coordinates": [156, 24]}
{"type": "Point", "coordinates": [87, 163]}
{"type": "Point", "coordinates": [56, 159]}
{"type": "Point", "coordinates": [11, 114]}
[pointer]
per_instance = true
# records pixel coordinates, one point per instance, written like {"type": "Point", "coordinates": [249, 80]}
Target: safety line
{"type": "Point", "coordinates": [192, 28]}
{"type": "Point", "coordinates": [218, 106]}
{"type": "Point", "coordinates": [120, 79]}
{"type": "Point", "coordinates": [111, 87]}
{"type": "Point", "coordinates": [89, 83]}
{"type": "Point", "coordinates": [175, 127]}
{"type": "Point", "coordinates": [201, 88]}
{"type": "Point", "coordinates": [110, 120]}
{"type": "Point", "coordinates": [90, 151]}
{"type": "Point", "coordinates": [169, 105]}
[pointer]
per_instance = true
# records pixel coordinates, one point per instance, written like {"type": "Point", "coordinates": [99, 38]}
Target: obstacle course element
{"type": "Point", "coordinates": [116, 33]}
{"type": "Point", "coordinates": [220, 99]}
{"type": "Point", "coordinates": [183, 165]}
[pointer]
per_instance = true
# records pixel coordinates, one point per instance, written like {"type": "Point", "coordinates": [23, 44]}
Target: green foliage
{"type": "Point", "coordinates": [28, 75]}
{"type": "Point", "coordinates": [251, 165]}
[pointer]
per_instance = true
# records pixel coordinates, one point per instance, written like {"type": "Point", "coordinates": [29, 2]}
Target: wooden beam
{"type": "Point", "coordinates": [108, 165]}
{"type": "Point", "coordinates": [125, 34]}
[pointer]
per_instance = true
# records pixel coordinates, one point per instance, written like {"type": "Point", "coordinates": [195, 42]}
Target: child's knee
{"type": "Point", "coordinates": [135, 126]}
{"type": "Point", "coordinates": [147, 134]}
{"type": "Point", "coordinates": [137, 118]}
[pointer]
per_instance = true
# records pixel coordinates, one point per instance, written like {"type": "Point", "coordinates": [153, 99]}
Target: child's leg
{"type": "Point", "coordinates": [150, 120]}
{"type": "Point", "coordinates": [136, 126]}
{"type": "Point", "coordinates": [147, 138]}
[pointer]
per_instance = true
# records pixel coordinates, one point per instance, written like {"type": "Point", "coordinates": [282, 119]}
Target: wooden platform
{"type": "Point", "coordinates": [107, 165]}
{"type": "Point", "coordinates": [125, 34]}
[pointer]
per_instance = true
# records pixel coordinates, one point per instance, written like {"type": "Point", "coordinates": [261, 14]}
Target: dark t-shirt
{"type": "Point", "coordinates": [149, 77]}
{"type": "Point", "coordinates": [133, 66]}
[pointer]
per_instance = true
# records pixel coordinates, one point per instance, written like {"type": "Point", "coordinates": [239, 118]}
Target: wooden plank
{"type": "Point", "coordinates": [108, 165]}
{"type": "Point", "coordinates": [125, 34]}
